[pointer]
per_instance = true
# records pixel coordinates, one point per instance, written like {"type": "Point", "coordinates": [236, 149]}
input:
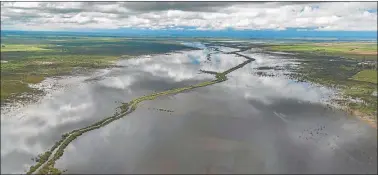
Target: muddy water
{"type": "Point", "coordinates": [248, 124]}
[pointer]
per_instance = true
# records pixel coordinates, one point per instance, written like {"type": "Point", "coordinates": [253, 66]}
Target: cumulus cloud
{"type": "Point", "coordinates": [349, 16]}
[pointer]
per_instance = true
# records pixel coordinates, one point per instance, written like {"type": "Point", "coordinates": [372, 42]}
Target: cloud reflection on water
{"type": "Point", "coordinates": [234, 110]}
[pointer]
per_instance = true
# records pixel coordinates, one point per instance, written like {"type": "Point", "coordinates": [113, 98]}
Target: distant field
{"type": "Point", "coordinates": [22, 47]}
{"type": "Point", "coordinates": [356, 50]}
{"type": "Point", "coordinates": [367, 76]}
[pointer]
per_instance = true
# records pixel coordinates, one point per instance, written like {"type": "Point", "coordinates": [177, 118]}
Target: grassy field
{"type": "Point", "coordinates": [366, 76]}
{"type": "Point", "coordinates": [356, 50]}
{"type": "Point", "coordinates": [30, 59]}
{"type": "Point", "coordinates": [22, 47]}
{"type": "Point", "coordinates": [329, 64]}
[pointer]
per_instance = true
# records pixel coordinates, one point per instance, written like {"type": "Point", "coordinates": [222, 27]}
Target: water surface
{"type": "Point", "coordinates": [248, 124]}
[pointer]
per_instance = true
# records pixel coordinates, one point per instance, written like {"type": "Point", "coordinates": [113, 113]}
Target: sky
{"type": "Point", "coordinates": [199, 16]}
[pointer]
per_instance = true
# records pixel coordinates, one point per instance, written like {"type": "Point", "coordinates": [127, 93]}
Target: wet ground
{"type": "Point", "coordinates": [249, 124]}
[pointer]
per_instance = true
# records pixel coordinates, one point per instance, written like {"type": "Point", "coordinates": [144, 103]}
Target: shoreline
{"type": "Point", "coordinates": [369, 119]}
{"type": "Point", "coordinates": [46, 88]}
{"type": "Point", "coordinates": [333, 102]}
{"type": "Point", "coordinates": [341, 100]}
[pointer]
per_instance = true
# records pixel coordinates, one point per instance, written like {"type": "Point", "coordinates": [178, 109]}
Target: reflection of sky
{"type": "Point", "coordinates": [194, 44]}
{"type": "Point", "coordinates": [194, 60]}
{"type": "Point", "coordinates": [263, 88]}
{"type": "Point", "coordinates": [34, 128]}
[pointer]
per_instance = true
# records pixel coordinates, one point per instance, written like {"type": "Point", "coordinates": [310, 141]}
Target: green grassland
{"type": "Point", "coordinates": [30, 59]}
{"type": "Point", "coordinates": [22, 47]}
{"type": "Point", "coordinates": [367, 76]}
{"type": "Point", "coordinates": [355, 50]}
{"type": "Point", "coordinates": [334, 68]}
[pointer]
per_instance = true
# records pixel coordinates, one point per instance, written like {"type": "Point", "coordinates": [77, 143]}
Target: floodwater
{"type": "Point", "coordinates": [248, 124]}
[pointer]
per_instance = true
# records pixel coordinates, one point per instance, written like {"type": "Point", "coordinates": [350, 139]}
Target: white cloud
{"type": "Point", "coordinates": [203, 16]}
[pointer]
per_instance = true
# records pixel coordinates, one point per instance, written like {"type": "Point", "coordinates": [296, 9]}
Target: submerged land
{"type": "Point", "coordinates": [347, 69]}
{"type": "Point", "coordinates": [349, 66]}
{"type": "Point", "coordinates": [30, 59]}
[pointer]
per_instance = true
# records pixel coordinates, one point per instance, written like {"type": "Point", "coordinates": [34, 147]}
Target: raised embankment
{"type": "Point", "coordinates": [46, 161]}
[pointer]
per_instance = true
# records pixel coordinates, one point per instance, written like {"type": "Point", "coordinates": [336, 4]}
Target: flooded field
{"type": "Point", "coordinates": [258, 121]}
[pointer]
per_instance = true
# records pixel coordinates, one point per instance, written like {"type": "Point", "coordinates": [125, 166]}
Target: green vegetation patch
{"type": "Point", "coordinates": [362, 91]}
{"type": "Point", "coordinates": [33, 68]}
{"type": "Point", "coordinates": [349, 50]}
{"type": "Point", "coordinates": [23, 47]}
{"type": "Point", "coordinates": [334, 71]}
{"type": "Point", "coordinates": [13, 88]}
{"type": "Point", "coordinates": [367, 76]}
